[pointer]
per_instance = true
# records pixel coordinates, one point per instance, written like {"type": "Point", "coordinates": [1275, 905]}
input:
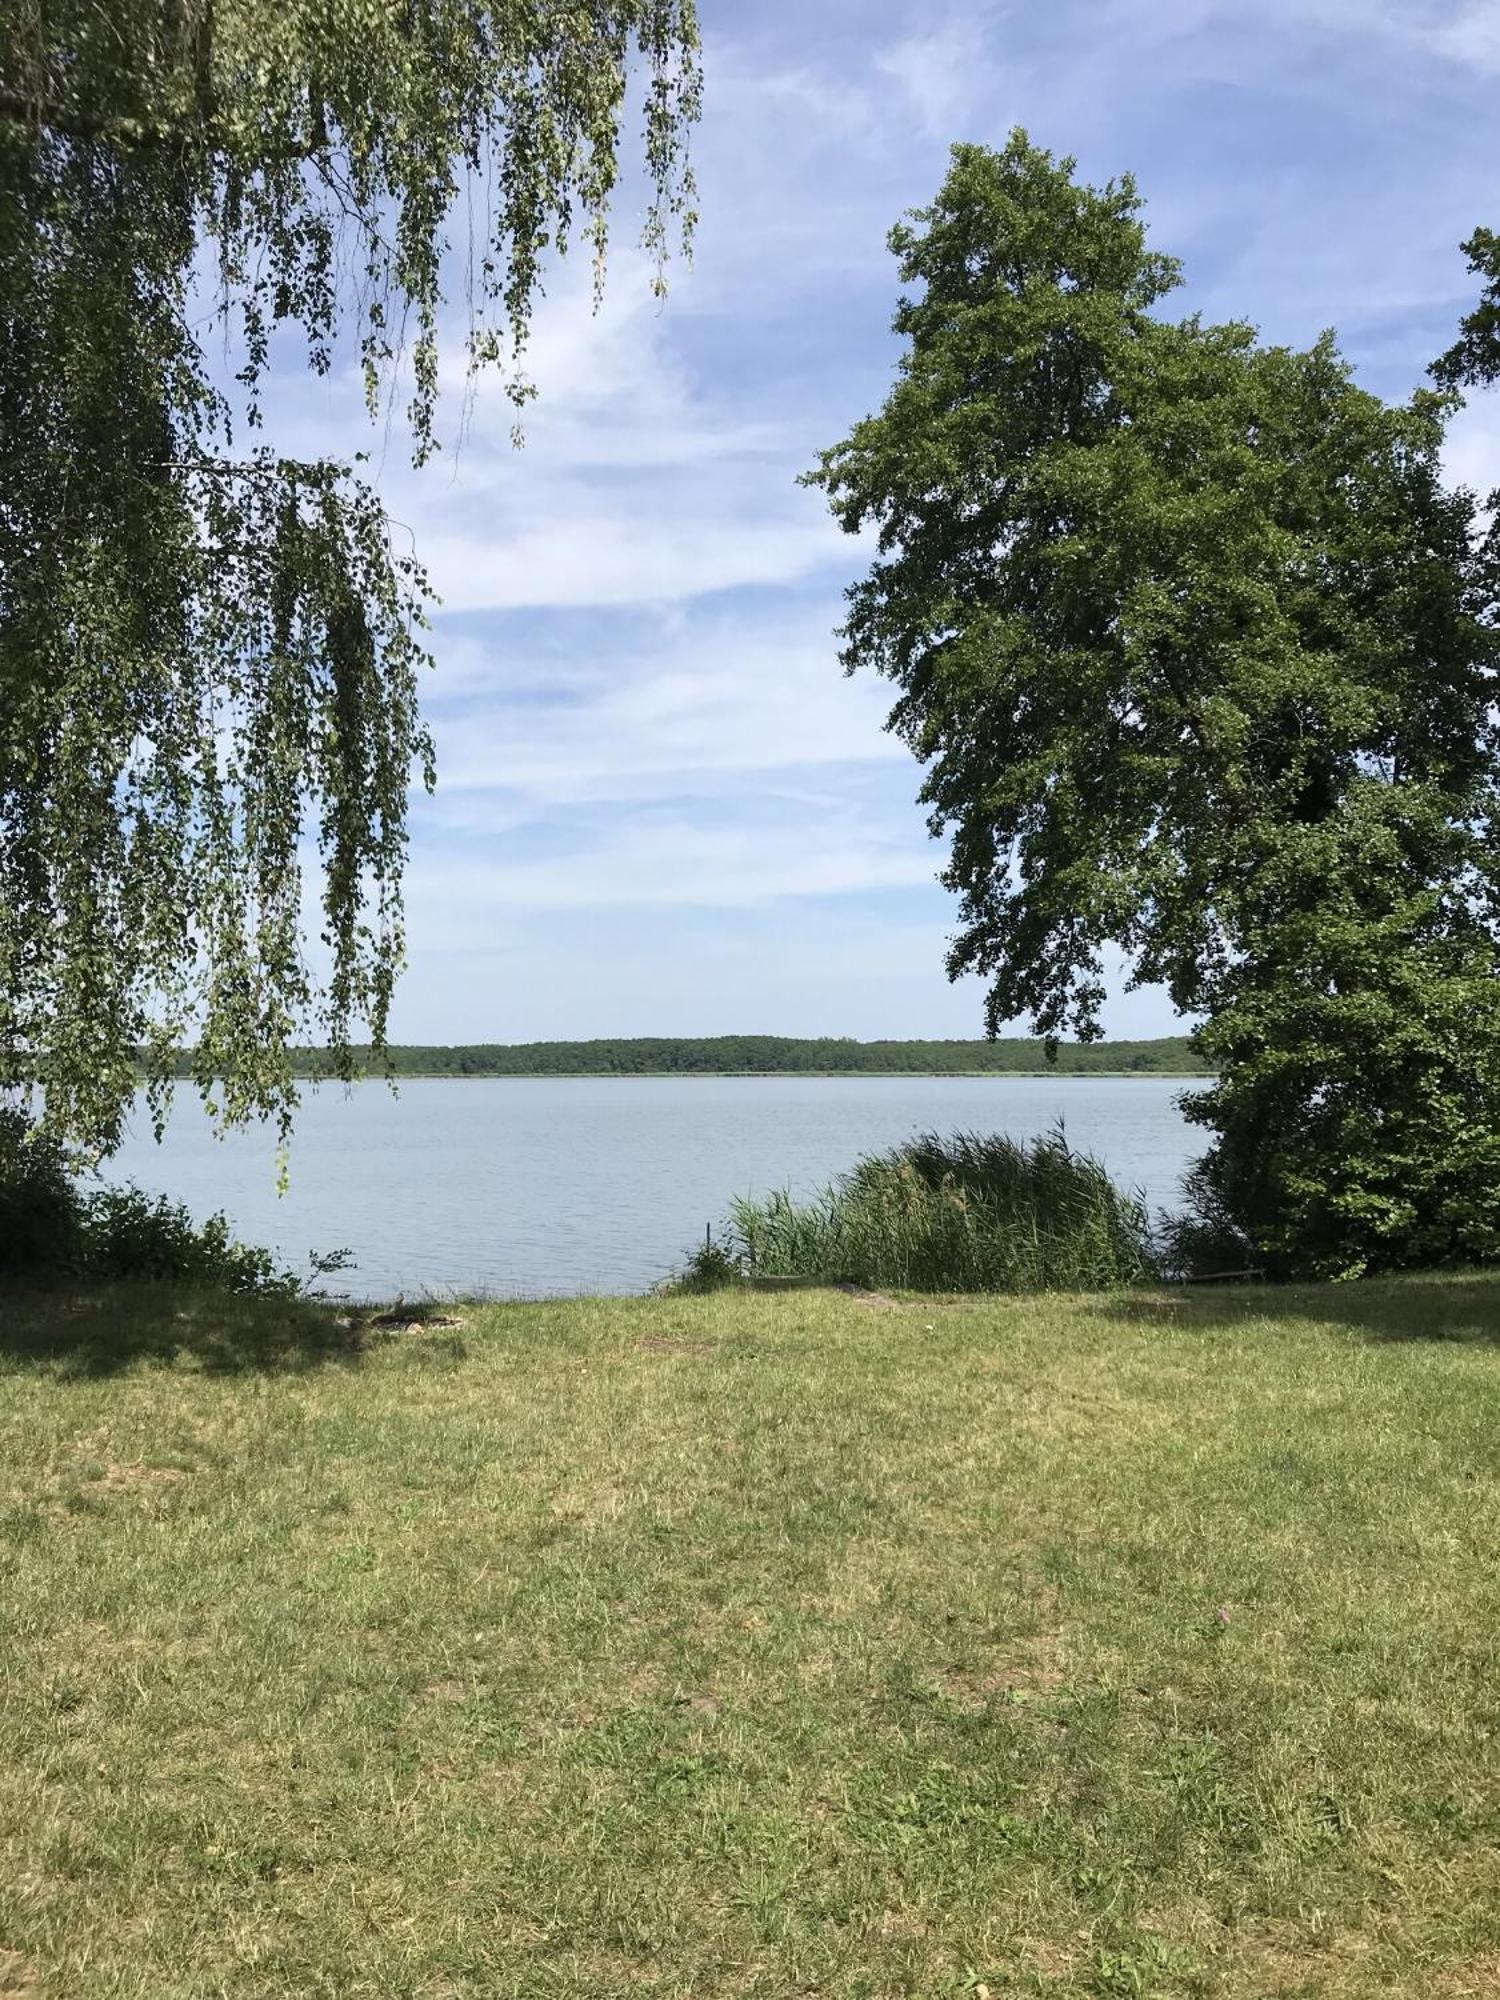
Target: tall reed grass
{"type": "Point", "coordinates": [966, 1214]}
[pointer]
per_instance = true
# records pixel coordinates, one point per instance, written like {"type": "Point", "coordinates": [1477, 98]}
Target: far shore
{"type": "Point", "coordinates": [762, 1075]}
{"type": "Point", "coordinates": [769, 1075]}
{"type": "Point", "coordinates": [740, 1055]}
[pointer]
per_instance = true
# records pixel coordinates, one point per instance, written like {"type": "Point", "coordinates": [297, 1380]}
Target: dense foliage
{"type": "Point", "coordinates": [209, 651]}
{"type": "Point", "coordinates": [1200, 654]}
{"type": "Point", "coordinates": [1475, 356]}
{"type": "Point", "coordinates": [53, 1226]}
{"type": "Point", "coordinates": [966, 1214]}
{"type": "Point", "coordinates": [770, 1055]}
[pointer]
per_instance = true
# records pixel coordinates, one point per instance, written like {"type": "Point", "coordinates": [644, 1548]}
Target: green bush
{"type": "Point", "coordinates": [1203, 1239]}
{"type": "Point", "coordinates": [967, 1214]}
{"type": "Point", "coordinates": [127, 1233]}
{"type": "Point", "coordinates": [40, 1213]}
{"type": "Point", "coordinates": [711, 1268]}
{"type": "Point", "coordinates": [52, 1227]}
{"type": "Point", "coordinates": [1357, 1107]}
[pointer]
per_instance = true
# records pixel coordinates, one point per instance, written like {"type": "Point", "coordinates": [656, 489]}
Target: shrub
{"type": "Point", "coordinates": [967, 1214]}
{"type": "Point", "coordinates": [711, 1268]}
{"type": "Point", "coordinates": [40, 1214]}
{"type": "Point", "coordinates": [127, 1233]}
{"type": "Point", "coordinates": [53, 1227]}
{"type": "Point", "coordinates": [1204, 1240]}
{"type": "Point", "coordinates": [1357, 1106]}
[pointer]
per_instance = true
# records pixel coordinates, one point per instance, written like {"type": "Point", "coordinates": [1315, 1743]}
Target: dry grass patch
{"type": "Point", "coordinates": [1479, 1979]}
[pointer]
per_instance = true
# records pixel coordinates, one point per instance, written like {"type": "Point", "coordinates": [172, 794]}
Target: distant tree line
{"type": "Point", "coordinates": [763, 1055]}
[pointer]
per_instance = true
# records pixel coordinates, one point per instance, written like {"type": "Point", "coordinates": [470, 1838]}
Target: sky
{"type": "Point", "coordinates": [662, 808]}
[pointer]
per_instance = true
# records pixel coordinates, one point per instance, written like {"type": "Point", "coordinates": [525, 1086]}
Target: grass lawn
{"type": "Point", "coordinates": [753, 1645]}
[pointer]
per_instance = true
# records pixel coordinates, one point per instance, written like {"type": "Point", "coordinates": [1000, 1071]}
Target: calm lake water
{"type": "Point", "coordinates": [527, 1187]}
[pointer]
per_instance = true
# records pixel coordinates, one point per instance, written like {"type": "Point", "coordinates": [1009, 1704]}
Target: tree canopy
{"type": "Point", "coordinates": [209, 652]}
{"type": "Point", "coordinates": [1199, 652]}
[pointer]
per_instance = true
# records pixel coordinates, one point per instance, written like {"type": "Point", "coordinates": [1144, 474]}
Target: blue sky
{"type": "Point", "coordinates": [662, 808]}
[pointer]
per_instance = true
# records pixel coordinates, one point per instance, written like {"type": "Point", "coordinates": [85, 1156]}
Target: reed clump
{"type": "Point", "coordinates": [964, 1214]}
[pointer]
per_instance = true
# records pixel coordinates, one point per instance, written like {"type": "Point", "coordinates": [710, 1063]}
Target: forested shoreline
{"type": "Point", "coordinates": [766, 1055]}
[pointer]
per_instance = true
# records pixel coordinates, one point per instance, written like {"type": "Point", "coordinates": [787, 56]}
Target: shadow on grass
{"type": "Point", "coordinates": [1462, 1306]}
{"type": "Point", "coordinates": [84, 1332]}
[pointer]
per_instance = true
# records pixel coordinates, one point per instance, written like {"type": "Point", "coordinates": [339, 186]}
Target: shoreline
{"type": "Point", "coordinates": [770, 1075]}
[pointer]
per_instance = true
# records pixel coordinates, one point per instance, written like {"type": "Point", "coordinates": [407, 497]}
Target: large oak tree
{"type": "Point", "coordinates": [1199, 652]}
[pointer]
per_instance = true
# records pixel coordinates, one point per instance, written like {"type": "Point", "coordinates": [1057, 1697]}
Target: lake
{"type": "Point", "coordinates": [526, 1187]}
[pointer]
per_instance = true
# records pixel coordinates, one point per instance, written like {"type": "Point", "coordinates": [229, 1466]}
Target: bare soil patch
{"type": "Point", "coordinates": [414, 1319]}
{"type": "Point", "coordinates": [17, 1980]}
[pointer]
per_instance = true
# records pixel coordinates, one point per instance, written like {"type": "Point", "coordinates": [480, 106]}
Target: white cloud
{"type": "Point", "coordinates": [636, 554]}
{"type": "Point", "coordinates": [802, 968]}
{"type": "Point", "coordinates": [1471, 37]}
{"type": "Point", "coordinates": [669, 861]}
{"type": "Point", "coordinates": [941, 71]}
{"type": "Point", "coordinates": [1467, 33]}
{"type": "Point", "coordinates": [705, 702]}
{"type": "Point", "coordinates": [635, 484]}
{"type": "Point", "coordinates": [1472, 453]}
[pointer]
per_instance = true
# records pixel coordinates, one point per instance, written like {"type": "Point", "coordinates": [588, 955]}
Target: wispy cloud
{"type": "Point", "coordinates": [635, 483]}
{"type": "Point", "coordinates": [941, 70]}
{"type": "Point", "coordinates": [1470, 36]}
{"type": "Point", "coordinates": [671, 704]}
{"type": "Point", "coordinates": [1472, 457]}
{"type": "Point", "coordinates": [669, 860]}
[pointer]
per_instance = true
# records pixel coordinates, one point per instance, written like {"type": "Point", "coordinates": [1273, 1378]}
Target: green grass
{"type": "Point", "coordinates": [766, 1645]}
